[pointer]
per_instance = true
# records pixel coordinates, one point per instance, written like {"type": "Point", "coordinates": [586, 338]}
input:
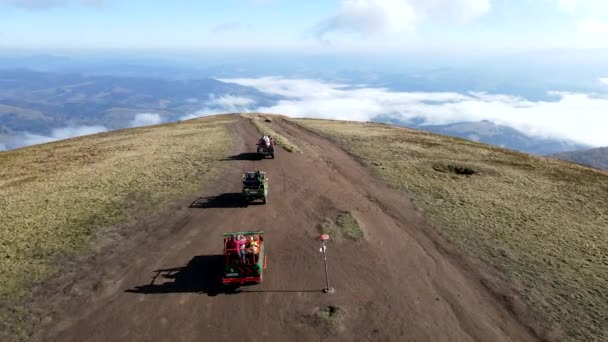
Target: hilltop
{"type": "Point", "coordinates": [541, 222]}
{"type": "Point", "coordinates": [432, 237]}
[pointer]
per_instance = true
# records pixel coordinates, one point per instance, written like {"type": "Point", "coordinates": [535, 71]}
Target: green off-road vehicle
{"type": "Point", "coordinates": [255, 186]}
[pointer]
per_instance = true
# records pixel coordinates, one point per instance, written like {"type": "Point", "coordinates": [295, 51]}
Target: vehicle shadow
{"type": "Point", "coordinates": [277, 291]}
{"type": "Point", "coordinates": [202, 274]}
{"type": "Point", "coordinates": [225, 200]}
{"type": "Point", "coordinates": [244, 156]}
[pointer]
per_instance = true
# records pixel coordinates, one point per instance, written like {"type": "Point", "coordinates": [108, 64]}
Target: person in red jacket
{"type": "Point", "coordinates": [235, 246]}
{"type": "Point", "coordinates": [240, 243]}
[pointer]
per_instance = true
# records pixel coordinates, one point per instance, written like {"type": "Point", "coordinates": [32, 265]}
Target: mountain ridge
{"type": "Point", "coordinates": [595, 157]}
{"type": "Point", "coordinates": [488, 132]}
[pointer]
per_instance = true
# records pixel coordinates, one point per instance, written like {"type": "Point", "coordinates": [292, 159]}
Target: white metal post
{"type": "Point", "coordinates": [324, 238]}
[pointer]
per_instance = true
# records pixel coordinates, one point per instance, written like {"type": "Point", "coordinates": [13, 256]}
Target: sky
{"type": "Point", "coordinates": [322, 25]}
{"type": "Point", "coordinates": [385, 27]}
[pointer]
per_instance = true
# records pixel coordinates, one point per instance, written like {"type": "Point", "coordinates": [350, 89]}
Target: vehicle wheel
{"type": "Point", "coordinates": [272, 156]}
{"type": "Point", "coordinates": [231, 288]}
{"type": "Point", "coordinates": [265, 200]}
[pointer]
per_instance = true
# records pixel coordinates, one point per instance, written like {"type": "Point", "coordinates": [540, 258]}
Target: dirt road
{"type": "Point", "coordinates": [398, 284]}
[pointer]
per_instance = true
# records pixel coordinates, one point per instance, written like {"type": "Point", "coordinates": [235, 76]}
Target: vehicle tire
{"type": "Point", "coordinates": [231, 288]}
{"type": "Point", "coordinates": [265, 200]}
{"type": "Point", "coordinates": [272, 156]}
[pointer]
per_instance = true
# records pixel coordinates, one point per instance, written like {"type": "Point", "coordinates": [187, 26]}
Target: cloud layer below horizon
{"type": "Point", "coordinates": [222, 104]}
{"type": "Point", "coordinates": [146, 119]}
{"type": "Point", "coordinates": [23, 139]}
{"type": "Point", "coordinates": [573, 116]}
{"type": "Point", "coordinates": [27, 139]}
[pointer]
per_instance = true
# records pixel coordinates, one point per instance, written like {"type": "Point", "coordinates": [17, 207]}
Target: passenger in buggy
{"type": "Point", "coordinates": [235, 246]}
{"type": "Point", "coordinates": [252, 249]}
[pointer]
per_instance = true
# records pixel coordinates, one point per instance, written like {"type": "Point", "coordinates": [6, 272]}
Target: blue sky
{"type": "Point", "coordinates": [348, 25]}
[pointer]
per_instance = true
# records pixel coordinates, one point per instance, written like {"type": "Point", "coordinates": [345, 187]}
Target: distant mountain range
{"type": "Point", "coordinates": [527, 75]}
{"type": "Point", "coordinates": [37, 102]}
{"type": "Point", "coordinates": [595, 157]}
{"type": "Point", "coordinates": [493, 134]}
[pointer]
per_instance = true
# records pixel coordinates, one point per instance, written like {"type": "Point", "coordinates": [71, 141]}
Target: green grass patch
{"type": "Point", "coordinates": [345, 225]}
{"type": "Point", "coordinates": [331, 315]}
{"type": "Point", "coordinates": [542, 222]}
{"type": "Point", "coordinates": [54, 197]}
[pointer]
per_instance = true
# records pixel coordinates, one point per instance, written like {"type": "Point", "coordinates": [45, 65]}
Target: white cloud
{"type": "Point", "coordinates": [572, 6]}
{"type": "Point", "coordinates": [592, 33]}
{"type": "Point", "coordinates": [222, 104]}
{"type": "Point", "coordinates": [28, 139]}
{"type": "Point", "coordinates": [2, 147]}
{"type": "Point", "coordinates": [370, 16]}
{"type": "Point", "coordinates": [231, 27]}
{"type": "Point", "coordinates": [395, 16]}
{"type": "Point", "coordinates": [201, 113]}
{"type": "Point", "coordinates": [590, 20]}
{"type": "Point", "coordinates": [229, 101]}
{"type": "Point", "coordinates": [604, 80]}
{"type": "Point", "coordinates": [574, 116]}
{"type": "Point", "coordinates": [567, 6]}
{"type": "Point", "coordinates": [261, 2]}
{"type": "Point", "coordinates": [592, 26]}
{"type": "Point", "coordinates": [289, 87]}
{"type": "Point", "coordinates": [46, 4]}
{"type": "Point", "coordinates": [146, 119]}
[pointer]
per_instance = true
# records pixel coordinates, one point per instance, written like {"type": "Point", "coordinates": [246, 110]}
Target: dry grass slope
{"type": "Point", "coordinates": [54, 196]}
{"type": "Point", "coordinates": [542, 222]}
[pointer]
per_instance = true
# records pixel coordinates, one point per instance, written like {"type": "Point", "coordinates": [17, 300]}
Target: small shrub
{"type": "Point", "coordinates": [455, 169]}
{"type": "Point", "coordinates": [331, 314]}
{"type": "Point", "coordinates": [345, 225]}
